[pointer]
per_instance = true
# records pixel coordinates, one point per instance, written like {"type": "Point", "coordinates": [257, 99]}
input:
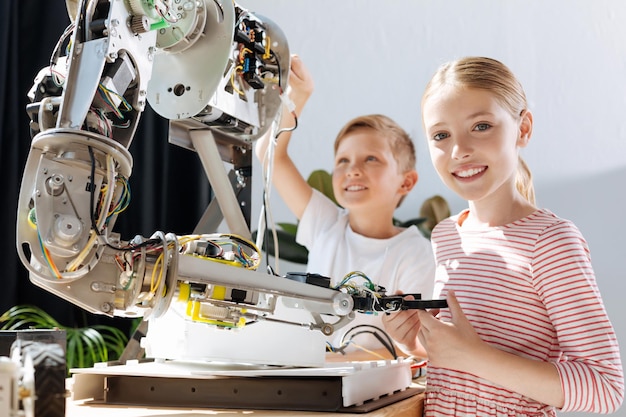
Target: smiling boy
{"type": "Point", "coordinates": [374, 170]}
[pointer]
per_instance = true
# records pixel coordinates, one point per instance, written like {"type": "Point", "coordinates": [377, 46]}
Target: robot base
{"type": "Point", "coordinates": [353, 386]}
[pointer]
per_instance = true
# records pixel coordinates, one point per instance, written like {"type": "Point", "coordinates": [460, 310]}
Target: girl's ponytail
{"type": "Point", "coordinates": [524, 181]}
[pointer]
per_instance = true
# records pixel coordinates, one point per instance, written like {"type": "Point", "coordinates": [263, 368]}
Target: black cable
{"type": "Point", "coordinates": [279, 71]}
{"type": "Point", "coordinates": [265, 231]}
{"type": "Point", "coordinates": [376, 331]}
{"type": "Point", "coordinates": [390, 348]}
{"type": "Point", "coordinates": [92, 187]}
{"type": "Point", "coordinates": [288, 129]}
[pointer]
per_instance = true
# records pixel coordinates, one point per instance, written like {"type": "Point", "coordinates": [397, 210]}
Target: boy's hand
{"type": "Point", "coordinates": [449, 344]}
{"type": "Point", "coordinates": [300, 82]}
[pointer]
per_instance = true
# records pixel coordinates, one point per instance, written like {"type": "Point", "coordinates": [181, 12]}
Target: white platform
{"type": "Point", "coordinates": [360, 381]}
{"type": "Point", "coordinates": [264, 343]}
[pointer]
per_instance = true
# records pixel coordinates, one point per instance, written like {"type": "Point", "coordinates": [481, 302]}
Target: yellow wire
{"type": "Point", "coordinates": [371, 352]}
{"type": "Point", "coordinates": [50, 262]}
{"type": "Point", "coordinates": [232, 80]}
{"type": "Point", "coordinates": [72, 266]}
{"type": "Point", "coordinates": [157, 265]}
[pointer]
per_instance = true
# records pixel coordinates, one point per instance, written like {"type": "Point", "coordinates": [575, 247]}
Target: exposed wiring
{"type": "Point", "coordinates": [221, 241]}
{"type": "Point", "coordinates": [48, 258]}
{"type": "Point", "coordinates": [56, 52]}
{"type": "Point", "coordinates": [165, 14]}
{"type": "Point", "coordinates": [232, 80]}
{"type": "Point", "coordinates": [355, 274]}
{"type": "Point", "coordinates": [380, 335]}
{"type": "Point", "coordinates": [105, 95]}
{"type": "Point", "coordinates": [266, 212]}
{"type": "Point", "coordinates": [123, 200]}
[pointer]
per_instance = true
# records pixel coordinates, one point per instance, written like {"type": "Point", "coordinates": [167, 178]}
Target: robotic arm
{"type": "Point", "coordinates": [216, 72]}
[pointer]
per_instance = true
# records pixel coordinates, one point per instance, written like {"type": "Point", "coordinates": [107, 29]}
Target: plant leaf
{"type": "Point", "coordinates": [323, 182]}
{"type": "Point", "coordinates": [75, 354]}
{"type": "Point", "coordinates": [290, 228]}
{"type": "Point", "coordinates": [84, 346]}
{"type": "Point", "coordinates": [114, 340]}
{"type": "Point", "coordinates": [95, 344]}
{"type": "Point", "coordinates": [434, 210]}
{"type": "Point", "coordinates": [26, 316]}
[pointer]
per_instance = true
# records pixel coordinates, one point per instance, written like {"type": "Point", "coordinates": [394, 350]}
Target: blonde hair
{"type": "Point", "coordinates": [402, 146]}
{"type": "Point", "coordinates": [492, 75]}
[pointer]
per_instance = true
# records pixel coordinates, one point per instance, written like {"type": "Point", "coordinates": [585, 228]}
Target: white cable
{"type": "Point", "coordinates": [267, 165]}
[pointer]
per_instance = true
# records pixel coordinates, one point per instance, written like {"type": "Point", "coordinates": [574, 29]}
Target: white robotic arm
{"type": "Point", "coordinates": [216, 71]}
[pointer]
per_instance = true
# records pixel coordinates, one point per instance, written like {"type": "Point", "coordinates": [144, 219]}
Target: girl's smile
{"type": "Point", "coordinates": [474, 143]}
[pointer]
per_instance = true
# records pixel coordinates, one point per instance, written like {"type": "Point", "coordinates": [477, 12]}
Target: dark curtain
{"type": "Point", "coordinates": [168, 185]}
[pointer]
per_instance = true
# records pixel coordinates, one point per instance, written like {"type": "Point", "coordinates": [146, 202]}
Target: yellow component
{"type": "Point", "coordinates": [223, 323]}
{"type": "Point", "coordinates": [184, 291]}
{"type": "Point", "coordinates": [242, 320]}
{"type": "Point", "coordinates": [221, 261]}
{"type": "Point", "coordinates": [193, 311]}
{"type": "Point", "coordinates": [267, 54]}
{"type": "Point", "coordinates": [219, 292]}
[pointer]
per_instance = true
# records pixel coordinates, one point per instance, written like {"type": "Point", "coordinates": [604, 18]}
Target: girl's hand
{"type": "Point", "coordinates": [449, 345]}
{"type": "Point", "coordinates": [403, 327]}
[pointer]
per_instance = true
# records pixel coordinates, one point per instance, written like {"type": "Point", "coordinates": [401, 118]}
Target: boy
{"type": "Point", "coordinates": [374, 170]}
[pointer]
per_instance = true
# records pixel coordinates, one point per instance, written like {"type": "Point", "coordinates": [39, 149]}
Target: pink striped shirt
{"type": "Point", "coordinates": [527, 288]}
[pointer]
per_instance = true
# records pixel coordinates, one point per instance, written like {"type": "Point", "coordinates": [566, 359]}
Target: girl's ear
{"type": "Point", "coordinates": [410, 179]}
{"type": "Point", "coordinates": [525, 128]}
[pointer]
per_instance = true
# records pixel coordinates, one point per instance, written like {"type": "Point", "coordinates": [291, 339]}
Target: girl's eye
{"type": "Point", "coordinates": [341, 161]}
{"type": "Point", "coordinates": [371, 158]}
{"type": "Point", "coordinates": [440, 136]}
{"type": "Point", "coordinates": [482, 126]}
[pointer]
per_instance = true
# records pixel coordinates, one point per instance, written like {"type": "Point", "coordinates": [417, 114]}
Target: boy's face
{"type": "Point", "coordinates": [366, 173]}
{"type": "Point", "coordinates": [473, 142]}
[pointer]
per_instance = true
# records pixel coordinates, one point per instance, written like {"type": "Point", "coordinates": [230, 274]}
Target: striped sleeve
{"type": "Point", "coordinates": [590, 366]}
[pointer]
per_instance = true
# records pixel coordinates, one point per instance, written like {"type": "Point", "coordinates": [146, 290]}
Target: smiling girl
{"type": "Point", "coordinates": [526, 332]}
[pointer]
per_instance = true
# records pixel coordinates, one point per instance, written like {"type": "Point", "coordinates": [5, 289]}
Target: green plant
{"type": "Point", "coordinates": [85, 345]}
{"type": "Point", "coordinates": [432, 211]}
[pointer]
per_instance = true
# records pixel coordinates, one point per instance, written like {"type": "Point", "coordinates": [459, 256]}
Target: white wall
{"type": "Point", "coordinates": [371, 56]}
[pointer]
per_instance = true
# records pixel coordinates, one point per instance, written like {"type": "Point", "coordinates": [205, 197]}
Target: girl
{"type": "Point", "coordinates": [526, 331]}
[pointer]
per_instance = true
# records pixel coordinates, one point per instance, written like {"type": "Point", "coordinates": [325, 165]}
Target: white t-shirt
{"type": "Point", "coordinates": [403, 263]}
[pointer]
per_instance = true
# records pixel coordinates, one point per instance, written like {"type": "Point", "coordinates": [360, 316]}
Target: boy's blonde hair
{"type": "Point", "coordinates": [402, 146]}
{"type": "Point", "coordinates": [491, 75]}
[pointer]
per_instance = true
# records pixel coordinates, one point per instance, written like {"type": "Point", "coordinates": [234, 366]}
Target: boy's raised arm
{"type": "Point", "coordinates": [289, 182]}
